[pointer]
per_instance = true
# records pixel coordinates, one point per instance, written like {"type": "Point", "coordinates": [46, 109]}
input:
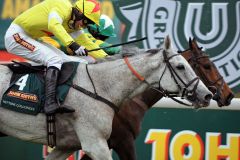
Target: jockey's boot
{"type": "Point", "coordinates": [51, 106]}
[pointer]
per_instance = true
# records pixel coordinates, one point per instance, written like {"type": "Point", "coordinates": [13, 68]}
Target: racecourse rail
{"type": "Point", "coordinates": [169, 103]}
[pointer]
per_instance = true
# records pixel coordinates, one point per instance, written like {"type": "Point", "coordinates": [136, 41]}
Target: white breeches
{"type": "Point", "coordinates": [18, 42]}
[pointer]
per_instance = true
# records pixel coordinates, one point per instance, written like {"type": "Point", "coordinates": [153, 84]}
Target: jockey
{"type": "Point", "coordinates": [102, 32]}
{"type": "Point", "coordinates": [51, 17]}
{"type": "Point", "coordinates": [91, 41]}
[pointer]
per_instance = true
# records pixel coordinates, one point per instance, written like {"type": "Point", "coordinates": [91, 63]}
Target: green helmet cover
{"type": "Point", "coordinates": [106, 26]}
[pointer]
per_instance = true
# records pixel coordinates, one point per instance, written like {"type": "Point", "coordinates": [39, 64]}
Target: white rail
{"type": "Point", "coordinates": [169, 103]}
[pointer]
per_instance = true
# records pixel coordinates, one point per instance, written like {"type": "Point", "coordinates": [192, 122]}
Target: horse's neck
{"type": "Point", "coordinates": [115, 81]}
{"type": "Point", "coordinates": [150, 97]}
{"type": "Point", "coordinates": [137, 107]}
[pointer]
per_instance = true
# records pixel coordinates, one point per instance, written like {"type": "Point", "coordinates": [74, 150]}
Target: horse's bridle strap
{"type": "Point", "coordinates": [141, 78]}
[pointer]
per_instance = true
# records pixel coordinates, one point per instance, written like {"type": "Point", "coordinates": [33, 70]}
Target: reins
{"type": "Point", "coordinates": [164, 92]}
{"type": "Point", "coordinates": [95, 94]}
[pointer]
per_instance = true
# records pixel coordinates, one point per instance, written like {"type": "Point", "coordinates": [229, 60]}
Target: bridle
{"type": "Point", "coordinates": [190, 94]}
{"type": "Point", "coordinates": [196, 64]}
{"type": "Point", "coordinates": [184, 92]}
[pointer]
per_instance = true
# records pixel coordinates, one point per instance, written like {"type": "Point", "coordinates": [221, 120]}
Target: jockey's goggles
{"type": "Point", "coordinates": [87, 21]}
{"type": "Point", "coordinates": [80, 16]}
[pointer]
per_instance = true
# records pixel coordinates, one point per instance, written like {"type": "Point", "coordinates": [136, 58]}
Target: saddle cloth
{"type": "Point", "coordinates": [26, 91]}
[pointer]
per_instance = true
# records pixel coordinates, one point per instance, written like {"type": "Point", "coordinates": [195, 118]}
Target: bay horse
{"type": "Point", "coordinates": [208, 73]}
{"type": "Point", "coordinates": [125, 130]}
{"type": "Point", "coordinates": [90, 126]}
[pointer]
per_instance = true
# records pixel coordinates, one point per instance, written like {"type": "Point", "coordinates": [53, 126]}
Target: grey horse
{"type": "Point", "coordinates": [90, 126]}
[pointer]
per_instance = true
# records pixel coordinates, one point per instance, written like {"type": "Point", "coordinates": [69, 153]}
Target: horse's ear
{"type": "Point", "coordinates": [193, 44]}
{"type": "Point", "coordinates": [190, 43]}
{"type": "Point", "coordinates": [195, 41]}
{"type": "Point", "coordinates": [167, 42]}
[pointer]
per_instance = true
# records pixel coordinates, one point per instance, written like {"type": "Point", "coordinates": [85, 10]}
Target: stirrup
{"type": "Point", "coordinates": [65, 109]}
{"type": "Point", "coordinates": [54, 108]}
{"type": "Point", "coordinates": [50, 109]}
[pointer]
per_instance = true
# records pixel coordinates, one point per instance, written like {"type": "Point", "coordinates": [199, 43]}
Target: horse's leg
{"type": "Point", "coordinates": [126, 149]}
{"type": "Point", "coordinates": [93, 142]}
{"type": "Point", "coordinates": [97, 149]}
{"type": "Point", "coordinates": [93, 127]}
{"type": "Point", "coordinates": [58, 154]}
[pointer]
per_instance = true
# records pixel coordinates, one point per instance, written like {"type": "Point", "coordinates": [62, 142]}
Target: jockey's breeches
{"type": "Point", "coordinates": [18, 42]}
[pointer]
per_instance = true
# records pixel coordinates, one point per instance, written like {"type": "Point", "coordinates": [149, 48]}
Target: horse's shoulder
{"type": "Point", "coordinates": [4, 68]}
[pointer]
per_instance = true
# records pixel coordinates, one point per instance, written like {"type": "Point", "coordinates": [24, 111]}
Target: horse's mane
{"type": "Point", "coordinates": [127, 52]}
{"type": "Point", "coordinates": [110, 58]}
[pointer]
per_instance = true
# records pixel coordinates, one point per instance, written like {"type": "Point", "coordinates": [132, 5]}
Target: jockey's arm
{"type": "Point", "coordinates": [82, 39]}
{"type": "Point", "coordinates": [55, 25]}
{"type": "Point", "coordinates": [111, 50]}
{"type": "Point", "coordinates": [86, 40]}
{"type": "Point", "coordinates": [55, 20]}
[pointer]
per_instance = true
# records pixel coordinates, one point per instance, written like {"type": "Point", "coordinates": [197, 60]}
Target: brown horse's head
{"type": "Point", "coordinates": [208, 73]}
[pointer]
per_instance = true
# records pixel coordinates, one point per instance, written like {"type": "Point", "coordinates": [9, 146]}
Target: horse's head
{"type": "Point", "coordinates": [179, 78]}
{"type": "Point", "coordinates": [208, 73]}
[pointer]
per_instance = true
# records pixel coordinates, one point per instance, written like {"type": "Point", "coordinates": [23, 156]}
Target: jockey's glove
{"type": "Point", "coordinates": [78, 50]}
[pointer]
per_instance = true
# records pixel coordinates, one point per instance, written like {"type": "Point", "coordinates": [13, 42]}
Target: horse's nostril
{"type": "Point", "coordinates": [208, 97]}
{"type": "Point", "coordinates": [216, 97]}
{"type": "Point", "coordinates": [213, 89]}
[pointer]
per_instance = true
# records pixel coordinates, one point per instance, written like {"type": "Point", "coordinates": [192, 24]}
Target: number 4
{"type": "Point", "coordinates": [22, 82]}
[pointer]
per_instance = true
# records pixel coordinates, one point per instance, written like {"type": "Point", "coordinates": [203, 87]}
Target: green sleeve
{"type": "Point", "coordinates": [110, 51]}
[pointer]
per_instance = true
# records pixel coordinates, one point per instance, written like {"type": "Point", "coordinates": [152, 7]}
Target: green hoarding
{"type": "Point", "coordinates": [182, 125]}
{"type": "Point", "coordinates": [13, 149]}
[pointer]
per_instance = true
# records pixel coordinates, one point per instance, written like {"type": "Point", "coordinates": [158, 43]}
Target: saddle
{"type": "Point", "coordinates": [25, 68]}
{"type": "Point", "coordinates": [26, 91]}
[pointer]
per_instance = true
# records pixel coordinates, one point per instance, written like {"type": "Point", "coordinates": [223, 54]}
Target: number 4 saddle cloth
{"type": "Point", "coordinates": [26, 91]}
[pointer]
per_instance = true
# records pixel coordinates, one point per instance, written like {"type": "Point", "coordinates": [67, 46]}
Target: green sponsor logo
{"type": "Point", "coordinates": [214, 24]}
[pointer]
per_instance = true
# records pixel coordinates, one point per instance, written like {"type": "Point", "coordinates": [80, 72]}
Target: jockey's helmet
{"type": "Point", "coordinates": [105, 28]}
{"type": "Point", "coordinates": [90, 9]}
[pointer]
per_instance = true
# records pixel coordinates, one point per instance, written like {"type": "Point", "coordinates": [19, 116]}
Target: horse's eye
{"type": "Point", "coordinates": [180, 67]}
{"type": "Point", "coordinates": [207, 66]}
